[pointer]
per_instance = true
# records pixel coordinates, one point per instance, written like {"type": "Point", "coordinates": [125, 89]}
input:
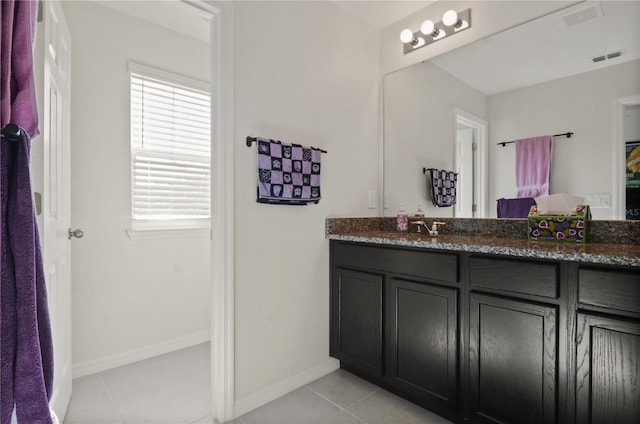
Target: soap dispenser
{"type": "Point", "coordinates": [402, 220]}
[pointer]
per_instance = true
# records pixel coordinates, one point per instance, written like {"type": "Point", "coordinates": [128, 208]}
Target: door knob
{"type": "Point", "coordinates": [78, 233]}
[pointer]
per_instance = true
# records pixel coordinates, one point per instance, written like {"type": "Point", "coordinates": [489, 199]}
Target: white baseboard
{"type": "Point", "coordinates": [281, 388]}
{"type": "Point", "coordinates": [108, 362]}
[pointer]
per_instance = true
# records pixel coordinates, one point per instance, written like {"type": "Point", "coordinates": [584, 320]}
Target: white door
{"type": "Point", "coordinates": [466, 172]}
{"type": "Point", "coordinates": [55, 128]}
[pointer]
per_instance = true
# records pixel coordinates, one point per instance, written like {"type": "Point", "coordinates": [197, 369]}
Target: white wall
{"type": "Point", "coordinates": [305, 72]}
{"type": "Point", "coordinates": [583, 104]}
{"type": "Point", "coordinates": [130, 298]}
{"type": "Point", "coordinates": [419, 132]}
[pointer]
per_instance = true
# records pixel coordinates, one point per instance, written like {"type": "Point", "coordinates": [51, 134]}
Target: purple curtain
{"type": "Point", "coordinates": [26, 348]}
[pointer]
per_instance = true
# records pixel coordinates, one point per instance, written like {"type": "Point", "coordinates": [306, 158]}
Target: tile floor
{"type": "Point", "coordinates": [174, 389]}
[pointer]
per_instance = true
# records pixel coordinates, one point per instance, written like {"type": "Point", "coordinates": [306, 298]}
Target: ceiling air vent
{"type": "Point", "coordinates": [607, 56]}
{"type": "Point", "coordinates": [582, 15]}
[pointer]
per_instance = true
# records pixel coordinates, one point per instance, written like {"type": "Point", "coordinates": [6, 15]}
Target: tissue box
{"type": "Point", "coordinates": [568, 228]}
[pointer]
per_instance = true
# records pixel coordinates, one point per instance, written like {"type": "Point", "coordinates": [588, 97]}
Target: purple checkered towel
{"type": "Point", "coordinates": [443, 187]}
{"type": "Point", "coordinates": [288, 174]}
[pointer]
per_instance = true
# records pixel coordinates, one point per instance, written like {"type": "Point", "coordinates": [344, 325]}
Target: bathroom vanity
{"type": "Point", "coordinates": [484, 329]}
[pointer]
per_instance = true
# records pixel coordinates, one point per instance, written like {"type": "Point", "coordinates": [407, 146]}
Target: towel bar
{"type": "Point", "coordinates": [251, 140]}
{"type": "Point", "coordinates": [567, 134]}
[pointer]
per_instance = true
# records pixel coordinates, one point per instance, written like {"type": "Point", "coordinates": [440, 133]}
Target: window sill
{"type": "Point", "coordinates": [167, 233]}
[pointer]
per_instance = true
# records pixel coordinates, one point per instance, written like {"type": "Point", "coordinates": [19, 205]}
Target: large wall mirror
{"type": "Point", "coordinates": [575, 70]}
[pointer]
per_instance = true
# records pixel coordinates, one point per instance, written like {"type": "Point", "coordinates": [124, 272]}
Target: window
{"type": "Point", "coordinates": [170, 150]}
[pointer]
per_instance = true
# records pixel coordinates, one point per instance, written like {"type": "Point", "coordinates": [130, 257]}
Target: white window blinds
{"type": "Point", "coordinates": [170, 149]}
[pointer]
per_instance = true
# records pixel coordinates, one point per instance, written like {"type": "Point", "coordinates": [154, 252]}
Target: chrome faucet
{"type": "Point", "coordinates": [434, 227]}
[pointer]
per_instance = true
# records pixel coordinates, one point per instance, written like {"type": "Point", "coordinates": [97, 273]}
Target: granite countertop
{"type": "Point", "coordinates": [598, 253]}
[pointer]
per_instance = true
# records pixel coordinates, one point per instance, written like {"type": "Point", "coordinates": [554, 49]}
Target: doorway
{"type": "Point", "coordinates": [465, 167]}
{"type": "Point", "coordinates": [111, 307]}
{"type": "Point", "coordinates": [625, 178]}
{"type": "Point", "coordinates": [632, 161]}
{"type": "Point", "coordinates": [132, 298]}
{"type": "Point", "coordinates": [470, 161]}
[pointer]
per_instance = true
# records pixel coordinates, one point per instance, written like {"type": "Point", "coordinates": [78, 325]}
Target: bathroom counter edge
{"type": "Point", "coordinates": [597, 253]}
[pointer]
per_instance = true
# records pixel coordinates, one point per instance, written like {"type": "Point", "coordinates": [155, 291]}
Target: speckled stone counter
{"type": "Point", "coordinates": [503, 237]}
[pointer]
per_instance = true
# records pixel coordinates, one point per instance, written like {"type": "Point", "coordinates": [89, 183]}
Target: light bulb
{"type": "Point", "coordinates": [427, 27]}
{"type": "Point", "coordinates": [406, 36]}
{"type": "Point", "coordinates": [450, 18]}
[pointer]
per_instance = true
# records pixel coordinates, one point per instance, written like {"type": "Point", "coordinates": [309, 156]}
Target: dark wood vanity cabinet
{"type": "Point", "coordinates": [513, 360]}
{"type": "Point", "coordinates": [608, 347]}
{"type": "Point", "coordinates": [485, 338]}
{"type": "Point", "coordinates": [422, 340]}
{"type": "Point", "coordinates": [513, 340]}
{"type": "Point", "coordinates": [356, 317]}
{"type": "Point", "coordinates": [394, 320]}
{"type": "Point", "coordinates": [608, 370]}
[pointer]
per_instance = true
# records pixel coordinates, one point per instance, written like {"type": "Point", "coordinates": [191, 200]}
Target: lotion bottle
{"type": "Point", "coordinates": [402, 220]}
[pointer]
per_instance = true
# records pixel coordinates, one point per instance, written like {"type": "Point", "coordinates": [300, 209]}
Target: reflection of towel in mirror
{"type": "Point", "coordinates": [515, 208]}
{"type": "Point", "coordinates": [533, 159]}
{"type": "Point", "coordinates": [443, 187]}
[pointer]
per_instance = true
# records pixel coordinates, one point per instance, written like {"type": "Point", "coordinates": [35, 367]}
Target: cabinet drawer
{"type": "Point", "coordinates": [618, 290]}
{"type": "Point", "coordinates": [517, 276]}
{"type": "Point", "coordinates": [425, 264]}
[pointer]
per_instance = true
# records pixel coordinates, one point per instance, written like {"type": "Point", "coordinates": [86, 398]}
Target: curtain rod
{"type": "Point", "coordinates": [251, 140]}
{"type": "Point", "coordinates": [567, 134]}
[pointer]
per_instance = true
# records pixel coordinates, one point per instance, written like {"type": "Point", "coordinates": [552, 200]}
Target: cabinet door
{"type": "Point", "coordinates": [356, 320]}
{"type": "Point", "coordinates": [512, 361]}
{"type": "Point", "coordinates": [608, 370]}
{"type": "Point", "coordinates": [422, 340]}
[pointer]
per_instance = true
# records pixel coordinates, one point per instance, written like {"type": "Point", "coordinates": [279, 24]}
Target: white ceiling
{"type": "Point", "coordinates": [382, 13]}
{"type": "Point", "coordinates": [188, 20]}
{"type": "Point", "coordinates": [176, 15]}
{"type": "Point", "coordinates": [546, 49]}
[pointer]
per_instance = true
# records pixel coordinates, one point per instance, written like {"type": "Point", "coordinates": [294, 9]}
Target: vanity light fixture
{"type": "Point", "coordinates": [429, 28]}
{"type": "Point", "coordinates": [452, 23]}
{"type": "Point", "coordinates": [407, 37]}
{"type": "Point", "coordinates": [450, 18]}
